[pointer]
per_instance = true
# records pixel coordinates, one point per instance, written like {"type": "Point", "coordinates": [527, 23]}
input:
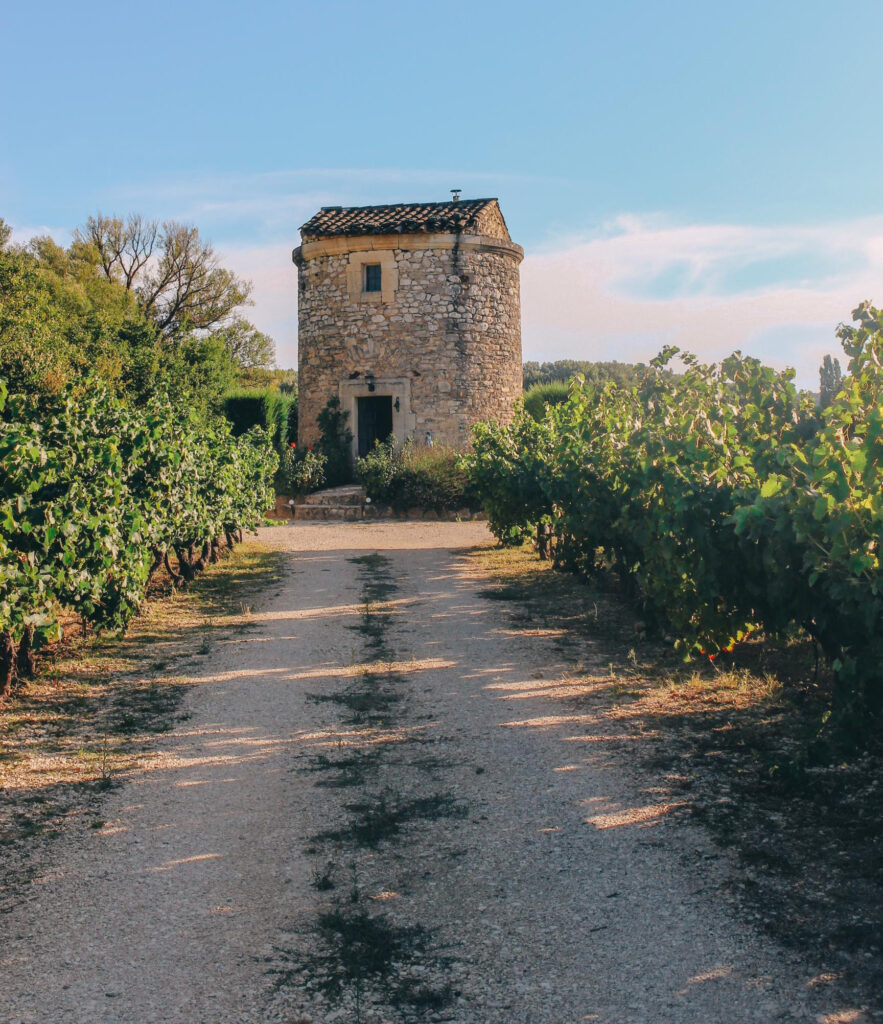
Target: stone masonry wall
{"type": "Point", "coordinates": [452, 329]}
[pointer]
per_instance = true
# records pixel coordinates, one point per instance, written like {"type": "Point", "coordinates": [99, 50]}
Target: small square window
{"type": "Point", "coordinates": [372, 277]}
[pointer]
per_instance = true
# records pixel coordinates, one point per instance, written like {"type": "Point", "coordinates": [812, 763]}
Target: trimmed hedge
{"type": "Point", "coordinates": [246, 408]}
{"type": "Point", "coordinates": [537, 398]}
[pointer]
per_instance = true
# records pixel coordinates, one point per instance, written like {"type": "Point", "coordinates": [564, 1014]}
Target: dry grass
{"type": "Point", "coordinates": [737, 746]}
{"type": "Point", "coordinates": [88, 717]}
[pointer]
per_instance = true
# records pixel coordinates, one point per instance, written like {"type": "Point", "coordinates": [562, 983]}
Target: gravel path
{"type": "Point", "coordinates": [389, 805]}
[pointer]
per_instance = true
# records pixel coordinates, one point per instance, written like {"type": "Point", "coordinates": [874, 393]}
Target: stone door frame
{"type": "Point", "coordinates": [404, 422]}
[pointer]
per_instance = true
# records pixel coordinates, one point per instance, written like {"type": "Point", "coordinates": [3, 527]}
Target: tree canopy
{"type": "Point", "coordinates": [624, 374]}
{"type": "Point", "coordinates": [176, 274]}
{"type": "Point", "coordinates": [830, 380]}
{"type": "Point", "coordinates": [145, 307]}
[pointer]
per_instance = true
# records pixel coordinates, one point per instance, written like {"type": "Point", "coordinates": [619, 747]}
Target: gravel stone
{"type": "Point", "coordinates": [553, 889]}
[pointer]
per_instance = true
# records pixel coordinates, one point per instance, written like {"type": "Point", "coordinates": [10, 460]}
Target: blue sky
{"type": "Point", "coordinates": [692, 173]}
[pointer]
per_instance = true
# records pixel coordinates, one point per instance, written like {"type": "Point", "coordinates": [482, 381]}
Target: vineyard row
{"type": "Point", "coordinates": [723, 497]}
{"type": "Point", "coordinates": [95, 495]}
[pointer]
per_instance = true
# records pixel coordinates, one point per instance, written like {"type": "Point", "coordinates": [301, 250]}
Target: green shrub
{"type": "Point", "coordinates": [244, 409]}
{"type": "Point", "coordinates": [301, 471]}
{"type": "Point", "coordinates": [94, 493]}
{"type": "Point", "coordinates": [291, 425]}
{"type": "Point", "coordinates": [507, 468]}
{"type": "Point", "coordinates": [537, 398]}
{"type": "Point", "coordinates": [273, 412]}
{"type": "Point", "coordinates": [416, 477]}
{"type": "Point", "coordinates": [277, 420]}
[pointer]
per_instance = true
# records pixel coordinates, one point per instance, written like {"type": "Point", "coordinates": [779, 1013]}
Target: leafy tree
{"type": "Point", "coordinates": [65, 313]}
{"type": "Point", "coordinates": [624, 374]}
{"type": "Point", "coordinates": [831, 381]}
{"type": "Point", "coordinates": [175, 273]}
{"type": "Point", "coordinates": [248, 347]}
{"type": "Point", "coordinates": [197, 372]}
{"type": "Point", "coordinates": [59, 321]}
{"type": "Point", "coordinates": [285, 381]}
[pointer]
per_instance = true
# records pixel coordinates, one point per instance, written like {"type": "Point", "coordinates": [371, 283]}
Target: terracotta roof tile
{"type": "Point", "coordinates": [399, 217]}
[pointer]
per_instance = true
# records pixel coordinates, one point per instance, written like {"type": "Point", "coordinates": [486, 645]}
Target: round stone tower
{"type": "Point", "coordinates": [410, 315]}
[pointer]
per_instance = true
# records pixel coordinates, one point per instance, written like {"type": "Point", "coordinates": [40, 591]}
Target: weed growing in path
{"type": "Point", "coordinates": [381, 818]}
{"type": "Point", "coordinates": [365, 957]}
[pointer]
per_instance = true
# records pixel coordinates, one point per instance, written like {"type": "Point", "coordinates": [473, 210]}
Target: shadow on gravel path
{"type": "Point", "coordinates": [381, 809]}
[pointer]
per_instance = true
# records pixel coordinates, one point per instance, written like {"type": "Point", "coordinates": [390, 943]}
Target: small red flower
{"type": "Point", "coordinates": [293, 445]}
{"type": "Point", "coordinates": [310, 447]}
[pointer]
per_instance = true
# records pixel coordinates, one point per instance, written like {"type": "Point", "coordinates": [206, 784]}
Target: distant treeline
{"type": "Point", "coordinates": [625, 374]}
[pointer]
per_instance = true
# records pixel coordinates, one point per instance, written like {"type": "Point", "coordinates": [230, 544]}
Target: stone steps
{"type": "Point", "coordinates": [351, 495]}
{"type": "Point", "coordinates": [341, 504]}
{"type": "Point", "coordinates": [324, 513]}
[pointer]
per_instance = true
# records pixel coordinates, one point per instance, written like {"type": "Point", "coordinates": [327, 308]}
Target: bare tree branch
{"type": "Point", "coordinates": [174, 272]}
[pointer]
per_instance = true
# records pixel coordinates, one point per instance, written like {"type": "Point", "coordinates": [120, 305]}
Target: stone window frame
{"type": "Point", "coordinates": [355, 276]}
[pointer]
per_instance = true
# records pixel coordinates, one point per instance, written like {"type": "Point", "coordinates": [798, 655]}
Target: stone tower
{"type": "Point", "coordinates": [409, 314]}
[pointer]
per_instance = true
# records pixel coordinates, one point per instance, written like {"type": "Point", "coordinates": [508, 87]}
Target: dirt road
{"type": "Point", "coordinates": [389, 805]}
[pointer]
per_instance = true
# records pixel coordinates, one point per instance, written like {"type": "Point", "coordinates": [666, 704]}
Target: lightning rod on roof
{"type": "Point", "coordinates": [455, 195]}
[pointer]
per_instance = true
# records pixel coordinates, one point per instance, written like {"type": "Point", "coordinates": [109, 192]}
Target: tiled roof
{"type": "Point", "coordinates": [399, 217]}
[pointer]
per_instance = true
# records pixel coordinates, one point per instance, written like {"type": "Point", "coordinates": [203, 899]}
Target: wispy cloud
{"type": "Point", "coordinates": [641, 283]}
{"type": "Point", "coordinates": [638, 283]}
{"type": "Point", "coordinates": [774, 292]}
{"type": "Point", "coordinates": [23, 233]}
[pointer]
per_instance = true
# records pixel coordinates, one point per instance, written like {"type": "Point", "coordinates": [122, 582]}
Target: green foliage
{"type": "Point", "coordinates": [291, 422]}
{"type": "Point", "coordinates": [247, 408]}
{"type": "Point", "coordinates": [180, 285]}
{"type": "Point", "coordinates": [822, 506]}
{"type": "Point", "coordinates": [541, 395]}
{"type": "Point", "coordinates": [335, 443]}
{"type": "Point", "coordinates": [255, 378]}
{"type": "Point", "coordinates": [301, 471]}
{"type": "Point", "coordinates": [196, 371]}
{"type": "Point", "coordinates": [277, 420]}
{"type": "Point", "coordinates": [416, 477]}
{"type": "Point", "coordinates": [247, 346]}
{"type": "Point", "coordinates": [830, 381]}
{"type": "Point", "coordinates": [274, 412]}
{"type": "Point", "coordinates": [93, 493]}
{"type": "Point", "coordinates": [626, 375]}
{"type": "Point", "coordinates": [100, 475]}
{"type": "Point", "coordinates": [507, 468]}
{"type": "Point", "coordinates": [59, 322]}
{"type": "Point", "coordinates": [721, 499]}
{"type": "Point", "coordinates": [62, 320]}
{"type": "Point", "coordinates": [147, 310]}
